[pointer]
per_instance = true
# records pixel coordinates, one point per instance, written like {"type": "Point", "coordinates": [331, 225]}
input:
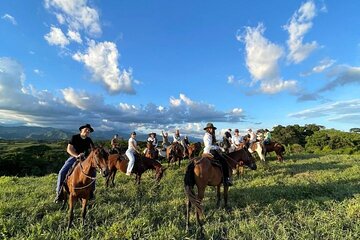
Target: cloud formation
{"type": "Point", "coordinates": [342, 75]}
{"type": "Point", "coordinates": [9, 18]}
{"type": "Point", "coordinates": [262, 58]}
{"type": "Point", "coordinates": [323, 65]}
{"type": "Point", "coordinates": [56, 37]}
{"type": "Point", "coordinates": [77, 14]}
{"type": "Point", "coordinates": [299, 25]}
{"type": "Point", "coordinates": [102, 61]}
{"type": "Point", "coordinates": [341, 111]}
{"type": "Point", "coordinates": [23, 104]}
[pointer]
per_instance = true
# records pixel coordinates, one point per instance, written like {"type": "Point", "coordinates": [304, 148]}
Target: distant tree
{"type": "Point", "coordinates": [355, 130]}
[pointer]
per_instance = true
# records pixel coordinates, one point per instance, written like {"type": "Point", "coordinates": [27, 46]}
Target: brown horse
{"type": "Point", "coordinates": [203, 172]}
{"type": "Point", "coordinates": [194, 149]}
{"type": "Point", "coordinates": [151, 152]}
{"type": "Point", "coordinates": [277, 148]}
{"type": "Point", "coordinates": [174, 153]}
{"type": "Point", "coordinates": [120, 162]}
{"type": "Point", "coordinates": [80, 182]}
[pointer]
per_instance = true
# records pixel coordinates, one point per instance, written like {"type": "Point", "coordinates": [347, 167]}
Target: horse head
{"type": "Point", "coordinates": [244, 157]}
{"type": "Point", "coordinates": [99, 157]}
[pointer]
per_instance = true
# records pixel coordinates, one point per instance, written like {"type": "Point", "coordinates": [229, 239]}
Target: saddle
{"type": "Point", "coordinates": [213, 161]}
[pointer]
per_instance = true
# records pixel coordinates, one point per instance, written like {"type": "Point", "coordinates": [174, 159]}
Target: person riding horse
{"type": "Point", "coordinates": [130, 152]}
{"type": "Point", "coordinates": [152, 138]}
{"type": "Point", "coordinates": [267, 137]}
{"type": "Point", "coordinates": [78, 148]}
{"type": "Point", "coordinates": [210, 147]}
{"type": "Point", "coordinates": [236, 140]}
{"type": "Point", "coordinates": [165, 140]}
{"type": "Point", "coordinates": [115, 144]}
{"type": "Point", "coordinates": [177, 139]}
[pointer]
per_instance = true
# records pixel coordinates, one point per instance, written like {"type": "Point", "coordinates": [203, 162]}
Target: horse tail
{"type": "Point", "coordinates": [189, 181]}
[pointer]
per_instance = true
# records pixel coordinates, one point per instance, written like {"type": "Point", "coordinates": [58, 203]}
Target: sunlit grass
{"type": "Point", "coordinates": [306, 197]}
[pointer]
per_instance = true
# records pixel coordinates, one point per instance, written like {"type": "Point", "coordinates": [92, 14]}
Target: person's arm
{"type": "Point", "coordinates": [135, 147]}
{"type": "Point", "coordinates": [71, 150]}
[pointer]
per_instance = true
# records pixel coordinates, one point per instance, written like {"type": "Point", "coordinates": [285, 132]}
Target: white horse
{"type": "Point", "coordinates": [259, 149]}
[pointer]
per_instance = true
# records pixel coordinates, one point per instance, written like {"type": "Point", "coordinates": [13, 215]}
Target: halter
{"type": "Point", "coordinates": [86, 175]}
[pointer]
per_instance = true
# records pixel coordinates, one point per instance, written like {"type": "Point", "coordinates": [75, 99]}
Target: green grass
{"type": "Point", "coordinates": [307, 197]}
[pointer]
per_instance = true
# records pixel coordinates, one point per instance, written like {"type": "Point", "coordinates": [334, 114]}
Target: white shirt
{"type": "Point", "coordinates": [176, 138]}
{"type": "Point", "coordinates": [208, 143]}
{"type": "Point", "coordinates": [153, 140]}
{"type": "Point", "coordinates": [132, 142]}
{"type": "Point", "coordinates": [252, 137]}
{"type": "Point", "coordinates": [236, 139]}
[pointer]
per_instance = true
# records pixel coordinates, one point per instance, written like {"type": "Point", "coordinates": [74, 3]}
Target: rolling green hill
{"type": "Point", "coordinates": [307, 197]}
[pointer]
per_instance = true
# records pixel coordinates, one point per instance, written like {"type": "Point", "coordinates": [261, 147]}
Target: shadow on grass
{"type": "Point", "coordinates": [314, 166]}
{"type": "Point", "coordinates": [337, 190]}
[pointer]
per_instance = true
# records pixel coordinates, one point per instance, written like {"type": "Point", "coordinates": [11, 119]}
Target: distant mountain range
{"type": "Point", "coordinates": [48, 134]}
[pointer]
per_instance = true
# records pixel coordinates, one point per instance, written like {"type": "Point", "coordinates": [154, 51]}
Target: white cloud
{"type": "Point", "coordinates": [102, 61]}
{"type": "Point", "coordinates": [342, 111]}
{"type": "Point", "coordinates": [56, 37]}
{"type": "Point", "coordinates": [321, 67]}
{"type": "Point", "coordinates": [262, 58]}
{"type": "Point", "coordinates": [77, 14]}
{"type": "Point", "coordinates": [342, 75]}
{"type": "Point", "coordinates": [24, 104]}
{"type": "Point", "coordinates": [9, 18]}
{"type": "Point", "coordinates": [74, 36]}
{"type": "Point", "coordinates": [299, 25]}
{"type": "Point", "coordinates": [230, 79]}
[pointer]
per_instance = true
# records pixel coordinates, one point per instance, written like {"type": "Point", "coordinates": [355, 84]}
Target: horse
{"type": "Point", "coordinates": [142, 163]}
{"type": "Point", "coordinates": [150, 151]}
{"type": "Point", "coordinates": [259, 148]}
{"type": "Point", "coordinates": [277, 148]}
{"type": "Point", "coordinates": [203, 172]}
{"type": "Point", "coordinates": [174, 153]}
{"type": "Point", "coordinates": [194, 149]}
{"type": "Point", "coordinates": [79, 183]}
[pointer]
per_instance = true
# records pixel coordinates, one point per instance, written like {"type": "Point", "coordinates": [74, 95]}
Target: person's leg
{"type": "Point", "coordinates": [131, 157]}
{"type": "Point", "coordinates": [62, 174]}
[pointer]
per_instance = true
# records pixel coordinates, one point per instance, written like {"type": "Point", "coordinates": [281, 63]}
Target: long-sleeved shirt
{"type": "Point", "coordinates": [154, 141]}
{"type": "Point", "coordinates": [208, 143]}
{"type": "Point", "coordinates": [176, 138]}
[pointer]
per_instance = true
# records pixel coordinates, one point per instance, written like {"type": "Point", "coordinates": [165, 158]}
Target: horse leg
{"type": "Point", "coordinates": [199, 213]}
{"type": "Point", "coordinates": [64, 201]}
{"type": "Point", "coordinates": [226, 189]}
{"type": "Point", "coordinates": [218, 195]}
{"type": "Point", "coordinates": [83, 210]}
{"type": "Point", "coordinates": [71, 208]}
{"type": "Point", "coordinates": [188, 207]}
{"type": "Point", "coordinates": [107, 179]}
{"type": "Point", "coordinates": [113, 178]}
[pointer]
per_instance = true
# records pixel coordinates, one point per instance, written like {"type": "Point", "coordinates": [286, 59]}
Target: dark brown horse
{"type": "Point", "coordinates": [151, 152]}
{"type": "Point", "coordinates": [174, 153]}
{"type": "Point", "coordinates": [277, 148]}
{"type": "Point", "coordinates": [203, 172]}
{"type": "Point", "coordinates": [194, 149]}
{"type": "Point", "coordinates": [80, 182]}
{"type": "Point", "coordinates": [120, 162]}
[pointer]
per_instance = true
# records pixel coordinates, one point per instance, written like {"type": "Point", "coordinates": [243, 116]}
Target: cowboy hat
{"type": "Point", "coordinates": [86, 126]}
{"type": "Point", "coordinates": [152, 133]}
{"type": "Point", "coordinates": [209, 125]}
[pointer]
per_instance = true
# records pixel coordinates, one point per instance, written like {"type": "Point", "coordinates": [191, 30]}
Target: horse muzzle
{"type": "Point", "coordinates": [253, 166]}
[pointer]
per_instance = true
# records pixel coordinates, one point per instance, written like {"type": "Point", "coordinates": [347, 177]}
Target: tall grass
{"type": "Point", "coordinates": [307, 197]}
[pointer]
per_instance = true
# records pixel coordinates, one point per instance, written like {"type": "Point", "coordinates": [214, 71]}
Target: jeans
{"type": "Point", "coordinates": [63, 171]}
{"type": "Point", "coordinates": [130, 155]}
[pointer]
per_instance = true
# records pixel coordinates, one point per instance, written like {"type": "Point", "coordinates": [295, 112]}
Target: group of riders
{"type": "Point", "coordinates": [80, 144]}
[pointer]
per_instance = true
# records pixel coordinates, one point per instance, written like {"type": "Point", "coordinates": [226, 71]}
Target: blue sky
{"type": "Point", "coordinates": [154, 65]}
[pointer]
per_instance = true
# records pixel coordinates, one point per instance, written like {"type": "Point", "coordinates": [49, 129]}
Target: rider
{"type": "Point", "coordinates": [132, 148]}
{"type": "Point", "coordinates": [236, 140]}
{"type": "Point", "coordinates": [267, 137]}
{"type": "Point", "coordinates": [165, 140]}
{"type": "Point", "coordinates": [177, 139]}
{"type": "Point", "coordinates": [78, 147]}
{"type": "Point", "coordinates": [115, 144]}
{"type": "Point", "coordinates": [210, 147]}
{"type": "Point", "coordinates": [252, 137]}
{"type": "Point", "coordinates": [227, 140]}
{"type": "Point", "coordinates": [152, 138]}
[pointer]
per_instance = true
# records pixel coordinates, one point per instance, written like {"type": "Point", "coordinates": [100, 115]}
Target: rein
{"type": "Point", "coordinates": [86, 175]}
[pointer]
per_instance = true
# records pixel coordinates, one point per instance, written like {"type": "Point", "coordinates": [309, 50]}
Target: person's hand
{"type": "Point", "coordinates": [80, 156]}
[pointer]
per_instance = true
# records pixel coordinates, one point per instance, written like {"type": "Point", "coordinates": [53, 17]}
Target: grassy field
{"type": "Point", "coordinates": [307, 197]}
